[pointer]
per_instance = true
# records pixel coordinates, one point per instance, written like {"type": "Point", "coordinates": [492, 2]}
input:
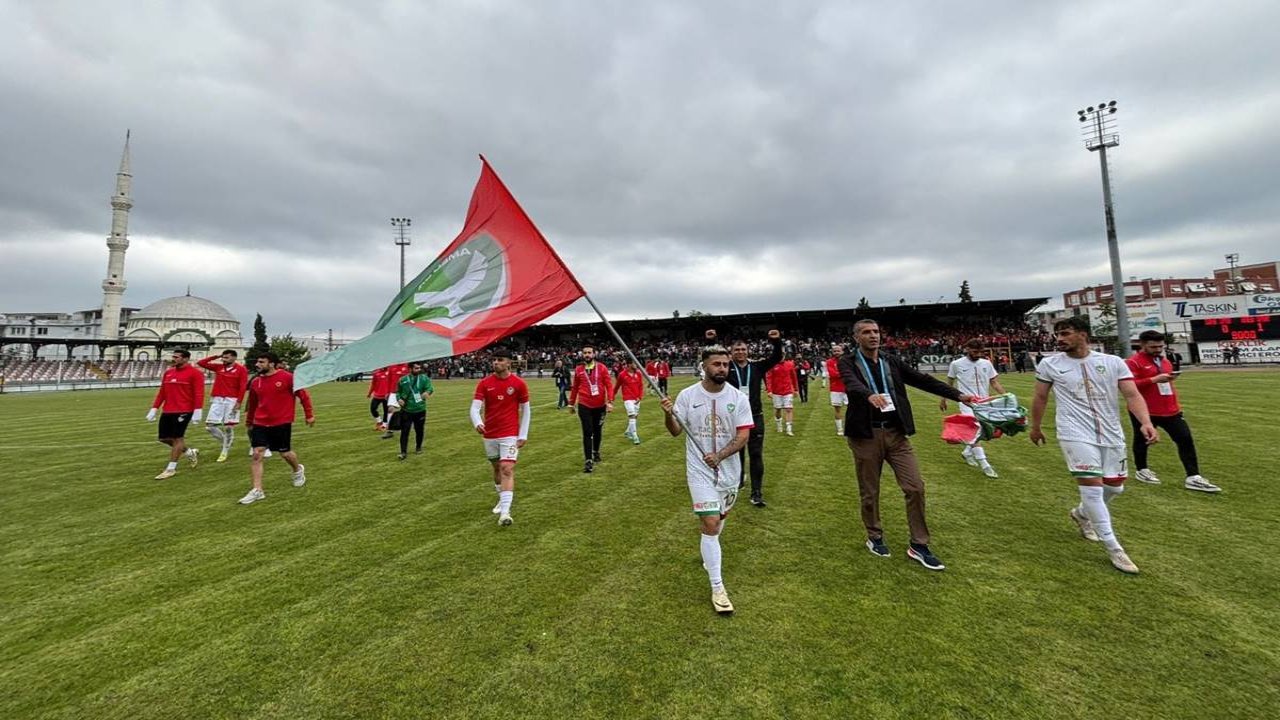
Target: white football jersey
{"type": "Point", "coordinates": [972, 377]}
{"type": "Point", "coordinates": [1087, 392]}
{"type": "Point", "coordinates": [713, 419]}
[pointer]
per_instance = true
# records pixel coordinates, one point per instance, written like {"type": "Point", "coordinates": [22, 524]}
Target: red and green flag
{"type": "Point", "coordinates": [499, 276]}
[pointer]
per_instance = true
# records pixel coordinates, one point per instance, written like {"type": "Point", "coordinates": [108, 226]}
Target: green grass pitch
{"type": "Point", "coordinates": [385, 589]}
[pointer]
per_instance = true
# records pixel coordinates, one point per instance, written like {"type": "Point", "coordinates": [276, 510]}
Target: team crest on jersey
{"type": "Point", "coordinates": [1102, 369]}
{"type": "Point", "coordinates": [731, 406]}
{"type": "Point", "coordinates": [511, 390]}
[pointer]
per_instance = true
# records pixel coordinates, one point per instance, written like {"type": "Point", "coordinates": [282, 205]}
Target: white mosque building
{"type": "Point", "coordinates": [201, 325]}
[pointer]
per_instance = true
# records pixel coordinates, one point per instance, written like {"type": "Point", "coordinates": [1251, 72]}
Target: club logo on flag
{"type": "Point", "coordinates": [471, 279]}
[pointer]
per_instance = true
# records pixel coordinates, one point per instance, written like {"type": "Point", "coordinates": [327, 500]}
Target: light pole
{"type": "Point", "coordinates": [1232, 259]}
{"type": "Point", "coordinates": [1099, 130]}
{"type": "Point", "coordinates": [402, 239]}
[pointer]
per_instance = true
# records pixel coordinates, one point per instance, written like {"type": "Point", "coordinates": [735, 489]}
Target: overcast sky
{"type": "Point", "coordinates": [694, 155]}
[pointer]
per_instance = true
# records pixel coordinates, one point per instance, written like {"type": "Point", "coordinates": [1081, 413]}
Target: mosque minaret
{"type": "Point", "coordinates": [114, 285]}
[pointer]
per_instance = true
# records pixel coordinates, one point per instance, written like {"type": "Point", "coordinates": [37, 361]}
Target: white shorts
{"type": "Point", "coordinates": [781, 402]}
{"type": "Point", "coordinates": [964, 409]}
{"type": "Point", "coordinates": [1085, 460]}
{"type": "Point", "coordinates": [222, 411]}
{"type": "Point", "coordinates": [501, 449]}
{"type": "Point", "coordinates": [708, 499]}
{"type": "Point", "coordinates": [632, 407]}
{"type": "Point", "coordinates": [839, 398]}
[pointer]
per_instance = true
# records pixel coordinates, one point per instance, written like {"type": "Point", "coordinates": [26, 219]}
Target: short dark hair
{"type": "Point", "coordinates": [230, 352]}
{"type": "Point", "coordinates": [975, 343]}
{"type": "Point", "coordinates": [417, 362]}
{"type": "Point", "coordinates": [710, 350]}
{"type": "Point", "coordinates": [271, 357]}
{"type": "Point", "coordinates": [500, 351]}
{"type": "Point", "coordinates": [864, 321]}
{"type": "Point", "coordinates": [1151, 336]}
{"type": "Point", "coordinates": [183, 352]}
{"type": "Point", "coordinates": [1078, 322]}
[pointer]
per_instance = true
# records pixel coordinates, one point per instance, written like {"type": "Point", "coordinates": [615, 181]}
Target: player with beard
{"type": "Point", "coordinates": [230, 381]}
{"type": "Point", "coordinates": [500, 412]}
{"type": "Point", "coordinates": [781, 383]}
{"type": "Point", "coordinates": [1086, 386]}
{"type": "Point", "coordinates": [974, 374]}
{"type": "Point", "coordinates": [718, 417]}
{"type": "Point", "coordinates": [181, 395]}
{"type": "Point", "coordinates": [269, 416]}
{"type": "Point", "coordinates": [631, 387]}
{"type": "Point", "coordinates": [748, 376]}
{"type": "Point", "coordinates": [589, 396]}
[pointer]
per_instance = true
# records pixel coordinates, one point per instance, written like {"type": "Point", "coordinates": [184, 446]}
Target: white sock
{"type": "Point", "coordinates": [631, 425]}
{"type": "Point", "coordinates": [189, 452]}
{"type": "Point", "coordinates": [839, 427]}
{"type": "Point", "coordinates": [504, 500]}
{"type": "Point", "coordinates": [171, 466]}
{"type": "Point", "coordinates": [228, 432]}
{"type": "Point", "coordinates": [1109, 493]}
{"type": "Point", "coordinates": [711, 559]}
{"type": "Point", "coordinates": [788, 427]}
{"type": "Point", "coordinates": [216, 432]}
{"type": "Point", "coordinates": [979, 453]}
{"type": "Point", "coordinates": [778, 422]}
{"type": "Point", "coordinates": [1095, 508]}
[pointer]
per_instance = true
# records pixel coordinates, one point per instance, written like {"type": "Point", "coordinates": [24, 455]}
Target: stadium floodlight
{"type": "Point", "coordinates": [402, 239]}
{"type": "Point", "coordinates": [1099, 130]}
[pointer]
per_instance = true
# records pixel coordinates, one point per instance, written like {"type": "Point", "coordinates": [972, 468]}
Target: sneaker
{"type": "Point", "coordinates": [417, 451]}
{"type": "Point", "coordinates": [1195, 482]}
{"type": "Point", "coordinates": [497, 508]}
{"type": "Point", "coordinates": [266, 454]}
{"type": "Point", "coordinates": [922, 555]}
{"type": "Point", "coordinates": [720, 601]}
{"type": "Point", "coordinates": [1121, 561]}
{"type": "Point", "coordinates": [402, 456]}
{"type": "Point", "coordinates": [222, 457]}
{"type": "Point", "coordinates": [596, 458]}
{"type": "Point", "coordinates": [254, 496]}
{"type": "Point", "coordinates": [388, 435]}
{"type": "Point", "coordinates": [989, 471]}
{"type": "Point", "coordinates": [969, 458]}
{"type": "Point", "coordinates": [300, 476]}
{"type": "Point", "coordinates": [877, 547]}
{"type": "Point", "coordinates": [587, 467]}
{"type": "Point", "coordinates": [635, 439]}
{"type": "Point", "coordinates": [504, 519]}
{"type": "Point", "coordinates": [166, 474]}
{"type": "Point", "coordinates": [1086, 525]}
{"type": "Point", "coordinates": [194, 456]}
{"type": "Point", "coordinates": [1146, 476]}
{"type": "Point", "coordinates": [789, 433]}
{"type": "Point", "coordinates": [758, 501]}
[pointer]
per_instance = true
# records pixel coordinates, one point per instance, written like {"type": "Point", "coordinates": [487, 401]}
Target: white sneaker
{"type": "Point", "coordinates": [720, 601]}
{"type": "Point", "coordinates": [166, 474]}
{"type": "Point", "coordinates": [989, 471]}
{"type": "Point", "coordinates": [193, 455]}
{"type": "Point", "coordinates": [1085, 524]}
{"type": "Point", "coordinates": [1146, 476]}
{"type": "Point", "coordinates": [254, 496]}
{"type": "Point", "coordinates": [504, 519]}
{"type": "Point", "coordinates": [300, 476]}
{"type": "Point", "coordinates": [1121, 561]}
{"type": "Point", "coordinates": [789, 433]}
{"type": "Point", "coordinates": [969, 458]}
{"type": "Point", "coordinates": [1195, 482]}
{"type": "Point", "coordinates": [266, 454]}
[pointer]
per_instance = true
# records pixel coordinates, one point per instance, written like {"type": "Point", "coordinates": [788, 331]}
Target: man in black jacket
{"type": "Point", "coordinates": [877, 425]}
{"type": "Point", "coordinates": [748, 376]}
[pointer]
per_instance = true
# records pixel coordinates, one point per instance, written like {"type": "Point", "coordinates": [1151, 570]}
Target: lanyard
{"type": "Point", "coordinates": [884, 378]}
{"type": "Point", "coordinates": [738, 372]}
{"type": "Point", "coordinates": [589, 373]}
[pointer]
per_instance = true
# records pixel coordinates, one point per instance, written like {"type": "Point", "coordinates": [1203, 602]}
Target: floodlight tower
{"type": "Point", "coordinates": [1232, 259]}
{"type": "Point", "coordinates": [402, 239]}
{"type": "Point", "coordinates": [1099, 130]}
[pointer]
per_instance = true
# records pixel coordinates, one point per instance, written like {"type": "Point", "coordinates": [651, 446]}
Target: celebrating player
{"type": "Point", "coordinates": [592, 387]}
{"type": "Point", "coordinates": [839, 398]}
{"type": "Point", "coordinates": [500, 412]}
{"type": "Point", "coordinates": [974, 374]}
{"type": "Point", "coordinates": [1085, 385]}
{"type": "Point", "coordinates": [181, 395]}
{"type": "Point", "coordinates": [718, 417]}
{"type": "Point", "coordinates": [270, 417]}
{"type": "Point", "coordinates": [631, 386]}
{"type": "Point", "coordinates": [230, 380]}
{"type": "Point", "coordinates": [1155, 375]}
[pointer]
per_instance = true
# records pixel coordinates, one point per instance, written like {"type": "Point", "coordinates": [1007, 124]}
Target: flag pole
{"type": "Point", "coordinates": [652, 384]}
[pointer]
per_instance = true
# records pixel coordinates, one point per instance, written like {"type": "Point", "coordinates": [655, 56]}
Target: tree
{"type": "Point", "coordinates": [863, 304]}
{"type": "Point", "coordinates": [291, 352]}
{"type": "Point", "coordinates": [1106, 321]}
{"type": "Point", "coordinates": [697, 314]}
{"type": "Point", "coordinates": [675, 314]}
{"type": "Point", "coordinates": [965, 295]}
{"type": "Point", "coordinates": [260, 344]}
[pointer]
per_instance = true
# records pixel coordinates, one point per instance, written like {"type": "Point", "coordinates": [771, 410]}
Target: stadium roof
{"type": "Point", "coordinates": [892, 315]}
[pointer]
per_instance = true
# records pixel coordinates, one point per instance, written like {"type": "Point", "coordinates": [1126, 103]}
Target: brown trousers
{"type": "Point", "coordinates": [869, 456]}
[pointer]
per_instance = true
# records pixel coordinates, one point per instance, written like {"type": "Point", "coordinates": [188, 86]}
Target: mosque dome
{"type": "Point", "coordinates": [185, 307]}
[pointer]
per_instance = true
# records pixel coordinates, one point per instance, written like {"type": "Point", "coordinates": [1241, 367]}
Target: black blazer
{"type": "Point", "coordinates": [857, 417]}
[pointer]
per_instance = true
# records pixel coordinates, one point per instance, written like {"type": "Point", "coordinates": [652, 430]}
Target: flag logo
{"type": "Point", "coordinates": [469, 280]}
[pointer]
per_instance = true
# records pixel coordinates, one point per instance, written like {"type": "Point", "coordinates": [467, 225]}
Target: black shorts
{"type": "Point", "coordinates": [173, 425]}
{"type": "Point", "coordinates": [275, 438]}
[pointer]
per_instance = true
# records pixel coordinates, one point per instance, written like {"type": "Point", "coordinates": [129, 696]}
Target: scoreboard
{"type": "Point", "coordinates": [1253, 327]}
